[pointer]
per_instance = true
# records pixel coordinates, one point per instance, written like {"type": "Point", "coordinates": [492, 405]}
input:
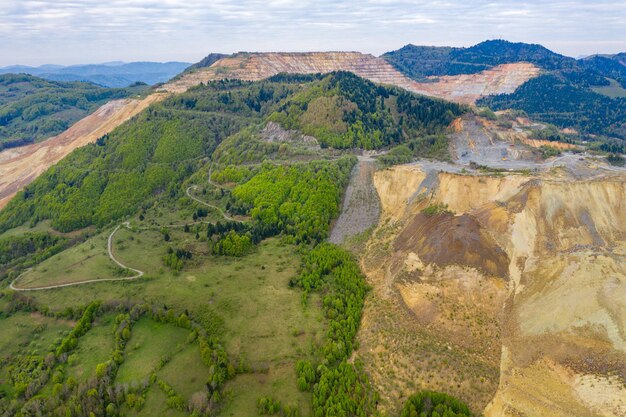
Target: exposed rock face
{"type": "Point", "coordinates": [467, 88]}
{"type": "Point", "coordinates": [274, 133]}
{"type": "Point", "coordinates": [551, 322]}
{"type": "Point", "coordinates": [463, 88]}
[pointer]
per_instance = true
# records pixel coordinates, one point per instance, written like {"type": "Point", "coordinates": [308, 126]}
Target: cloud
{"type": "Point", "coordinates": [80, 31]}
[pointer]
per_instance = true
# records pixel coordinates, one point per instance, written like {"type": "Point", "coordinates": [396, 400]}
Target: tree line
{"type": "Point", "coordinates": [346, 111]}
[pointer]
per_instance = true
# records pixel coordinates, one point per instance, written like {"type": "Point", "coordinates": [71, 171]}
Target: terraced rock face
{"type": "Point", "coordinates": [534, 325]}
{"type": "Point", "coordinates": [256, 66]}
{"type": "Point", "coordinates": [467, 88]}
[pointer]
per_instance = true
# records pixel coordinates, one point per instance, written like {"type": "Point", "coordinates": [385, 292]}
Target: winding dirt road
{"type": "Point", "coordinates": [224, 215]}
{"type": "Point", "coordinates": [138, 273]}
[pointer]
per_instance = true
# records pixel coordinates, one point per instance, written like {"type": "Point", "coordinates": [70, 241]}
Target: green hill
{"type": "Point", "coordinates": [200, 225]}
{"type": "Point", "coordinates": [345, 111]}
{"type": "Point", "coordinates": [156, 151]}
{"type": "Point", "coordinates": [32, 109]}
{"type": "Point", "coordinates": [584, 94]}
{"type": "Point", "coordinates": [610, 66]}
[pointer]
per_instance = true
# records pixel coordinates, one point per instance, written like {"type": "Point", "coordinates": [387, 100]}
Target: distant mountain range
{"type": "Point", "coordinates": [110, 74]}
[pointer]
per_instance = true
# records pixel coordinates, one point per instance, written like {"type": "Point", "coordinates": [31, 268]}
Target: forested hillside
{"type": "Point", "coordinates": [157, 150]}
{"type": "Point", "coordinates": [153, 153]}
{"type": "Point", "coordinates": [552, 99]}
{"type": "Point", "coordinates": [581, 94]}
{"type": "Point", "coordinates": [346, 111]}
{"type": "Point", "coordinates": [32, 109]}
{"type": "Point", "coordinates": [611, 66]}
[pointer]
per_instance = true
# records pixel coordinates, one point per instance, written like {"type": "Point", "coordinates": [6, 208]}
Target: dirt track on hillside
{"type": "Point", "coordinates": [138, 273]}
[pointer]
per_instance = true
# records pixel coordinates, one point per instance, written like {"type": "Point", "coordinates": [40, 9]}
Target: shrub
{"type": "Point", "coordinates": [436, 209]}
{"type": "Point", "coordinates": [434, 404]}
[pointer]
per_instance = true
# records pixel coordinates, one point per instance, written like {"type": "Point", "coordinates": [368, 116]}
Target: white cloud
{"type": "Point", "coordinates": [79, 31]}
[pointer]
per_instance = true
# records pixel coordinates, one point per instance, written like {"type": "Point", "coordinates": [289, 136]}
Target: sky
{"type": "Point", "coordinates": [35, 32]}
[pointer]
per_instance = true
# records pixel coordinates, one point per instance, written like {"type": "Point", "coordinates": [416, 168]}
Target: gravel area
{"type": "Point", "coordinates": [361, 206]}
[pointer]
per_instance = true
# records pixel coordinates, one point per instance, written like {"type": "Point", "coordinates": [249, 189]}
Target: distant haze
{"type": "Point", "coordinates": [110, 74]}
{"type": "Point", "coordinates": [91, 31]}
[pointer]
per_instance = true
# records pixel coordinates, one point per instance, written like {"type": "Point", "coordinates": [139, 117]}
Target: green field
{"type": "Point", "coordinates": [30, 333]}
{"type": "Point", "coordinates": [26, 334]}
{"type": "Point", "coordinates": [150, 343]}
{"type": "Point", "coordinates": [247, 301]}
{"type": "Point", "coordinates": [156, 405]}
{"type": "Point", "coordinates": [277, 382]}
{"type": "Point", "coordinates": [185, 372]}
{"type": "Point", "coordinates": [88, 260]}
{"type": "Point", "coordinates": [614, 90]}
{"type": "Point", "coordinates": [93, 348]}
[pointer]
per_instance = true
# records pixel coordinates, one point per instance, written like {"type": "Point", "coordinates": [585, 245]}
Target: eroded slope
{"type": "Point", "coordinates": [515, 302]}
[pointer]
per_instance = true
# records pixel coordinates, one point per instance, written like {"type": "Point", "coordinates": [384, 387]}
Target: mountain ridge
{"type": "Point", "coordinates": [554, 96]}
{"type": "Point", "coordinates": [114, 74]}
{"type": "Point", "coordinates": [259, 65]}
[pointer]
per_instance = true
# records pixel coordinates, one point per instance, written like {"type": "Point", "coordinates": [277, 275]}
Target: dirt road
{"type": "Point", "coordinates": [138, 273]}
{"type": "Point", "coordinates": [224, 215]}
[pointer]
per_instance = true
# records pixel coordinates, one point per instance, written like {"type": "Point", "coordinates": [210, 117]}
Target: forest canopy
{"type": "Point", "coordinates": [32, 109]}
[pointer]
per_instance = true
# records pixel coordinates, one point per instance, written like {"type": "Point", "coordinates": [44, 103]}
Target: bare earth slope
{"type": "Point", "coordinates": [361, 208]}
{"type": "Point", "coordinates": [462, 88]}
{"type": "Point", "coordinates": [515, 302]}
{"type": "Point", "coordinates": [20, 166]}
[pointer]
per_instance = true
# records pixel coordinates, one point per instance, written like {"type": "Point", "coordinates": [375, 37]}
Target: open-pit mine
{"type": "Point", "coordinates": [506, 288]}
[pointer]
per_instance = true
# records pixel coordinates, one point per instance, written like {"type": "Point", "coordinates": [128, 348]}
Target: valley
{"type": "Point", "coordinates": [318, 234]}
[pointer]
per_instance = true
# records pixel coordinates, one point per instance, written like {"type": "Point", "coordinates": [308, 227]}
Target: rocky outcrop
{"type": "Point", "coordinates": [467, 88]}
{"type": "Point", "coordinates": [274, 133]}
